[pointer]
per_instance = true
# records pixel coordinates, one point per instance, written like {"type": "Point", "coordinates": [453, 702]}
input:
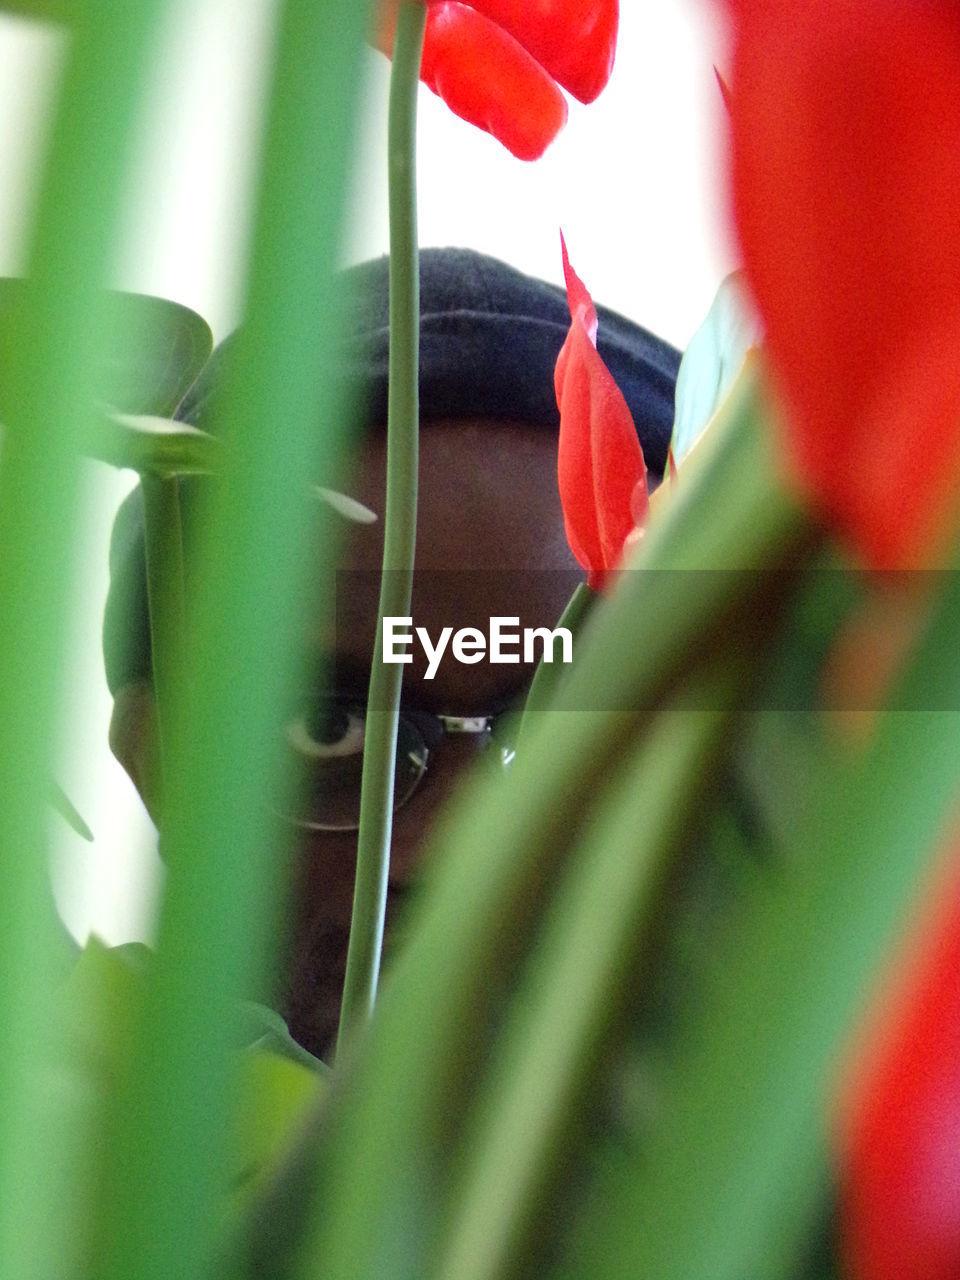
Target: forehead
{"type": "Point", "coordinates": [490, 542]}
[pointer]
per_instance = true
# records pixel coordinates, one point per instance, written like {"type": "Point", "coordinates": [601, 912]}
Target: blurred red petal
{"type": "Point", "coordinates": [846, 133]}
{"type": "Point", "coordinates": [900, 1142]}
{"type": "Point", "coordinates": [640, 503]}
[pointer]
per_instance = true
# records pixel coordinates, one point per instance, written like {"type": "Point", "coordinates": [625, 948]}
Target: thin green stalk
{"type": "Point", "coordinates": [285, 418]}
{"type": "Point", "coordinates": [403, 423]}
{"type": "Point", "coordinates": [50, 365]}
{"type": "Point", "coordinates": [548, 674]}
{"type": "Point", "coordinates": [166, 594]}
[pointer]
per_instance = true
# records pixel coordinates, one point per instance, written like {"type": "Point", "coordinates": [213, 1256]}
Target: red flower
{"type": "Point", "coordinates": [846, 175]}
{"type": "Point", "coordinates": [600, 468]}
{"type": "Point", "coordinates": [900, 1176]}
{"type": "Point", "coordinates": [498, 63]}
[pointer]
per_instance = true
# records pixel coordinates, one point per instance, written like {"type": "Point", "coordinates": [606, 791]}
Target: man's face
{"type": "Point", "coordinates": [490, 543]}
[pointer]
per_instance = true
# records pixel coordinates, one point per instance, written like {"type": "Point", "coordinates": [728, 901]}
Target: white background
{"type": "Point", "coordinates": [636, 181]}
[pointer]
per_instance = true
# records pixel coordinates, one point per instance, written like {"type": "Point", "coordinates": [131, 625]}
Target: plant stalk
{"type": "Point", "coordinates": [168, 1161]}
{"type": "Point", "coordinates": [403, 421]}
{"type": "Point", "coordinates": [547, 675]}
{"type": "Point", "coordinates": [50, 369]}
{"type": "Point", "coordinates": [166, 595]}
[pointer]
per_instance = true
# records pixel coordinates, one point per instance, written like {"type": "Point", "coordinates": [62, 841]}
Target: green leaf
{"type": "Point", "coordinates": [264, 1028]}
{"type": "Point", "coordinates": [68, 811]}
{"type": "Point", "coordinates": [157, 349]}
{"type": "Point", "coordinates": [568, 1001]}
{"type": "Point", "coordinates": [277, 1095]}
{"type": "Point", "coordinates": [96, 1012]}
{"type": "Point", "coordinates": [49, 360]}
{"type": "Point", "coordinates": [155, 446]}
{"type": "Point", "coordinates": [154, 349]}
{"type": "Point", "coordinates": [97, 1007]}
{"type": "Point", "coordinates": [228, 873]}
{"type": "Point", "coordinates": [549, 674]}
{"type": "Point", "coordinates": [345, 506]}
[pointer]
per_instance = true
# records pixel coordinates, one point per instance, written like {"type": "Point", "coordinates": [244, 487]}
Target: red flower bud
{"type": "Point", "coordinates": [846, 171]}
{"type": "Point", "coordinates": [600, 465]}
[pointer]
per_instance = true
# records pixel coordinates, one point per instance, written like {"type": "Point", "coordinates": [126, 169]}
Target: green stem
{"type": "Point", "coordinates": [403, 421]}
{"type": "Point", "coordinates": [166, 594]}
{"type": "Point", "coordinates": [50, 368]}
{"type": "Point", "coordinates": [547, 675]}
{"type": "Point", "coordinates": [168, 1134]}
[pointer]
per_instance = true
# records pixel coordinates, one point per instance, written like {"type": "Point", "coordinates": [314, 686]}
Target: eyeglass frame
{"type": "Point", "coordinates": [437, 725]}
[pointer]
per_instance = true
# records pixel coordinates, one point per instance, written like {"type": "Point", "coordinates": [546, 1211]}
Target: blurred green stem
{"type": "Point", "coordinates": [168, 1138]}
{"type": "Point", "coordinates": [403, 421]}
{"type": "Point", "coordinates": [163, 535]}
{"type": "Point", "coordinates": [588, 951]}
{"type": "Point", "coordinates": [50, 371]}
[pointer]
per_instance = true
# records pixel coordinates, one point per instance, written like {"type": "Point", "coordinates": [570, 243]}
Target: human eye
{"type": "Point", "coordinates": [326, 738]}
{"type": "Point", "coordinates": [328, 730]}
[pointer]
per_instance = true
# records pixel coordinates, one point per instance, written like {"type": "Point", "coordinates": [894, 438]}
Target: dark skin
{"type": "Point", "coordinates": [490, 541]}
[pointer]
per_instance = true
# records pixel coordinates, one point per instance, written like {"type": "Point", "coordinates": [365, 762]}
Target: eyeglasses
{"type": "Point", "coordinates": [327, 741]}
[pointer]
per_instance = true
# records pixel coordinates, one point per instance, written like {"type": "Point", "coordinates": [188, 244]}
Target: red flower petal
{"type": "Point", "coordinates": [600, 461]}
{"type": "Point", "coordinates": [846, 134]}
{"type": "Point", "coordinates": [497, 63]}
{"type": "Point", "coordinates": [486, 78]}
{"type": "Point", "coordinates": [575, 41]}
{"type": "Point", "coordinates": [724, 89]}
{"type": "Point", "coordinates": [578, 298]}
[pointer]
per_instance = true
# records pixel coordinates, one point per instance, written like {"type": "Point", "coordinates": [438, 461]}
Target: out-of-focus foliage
{"type": "Point", "coordinates": [44, 10]}
{"type": "Point", "coordinates": [97, 1008]}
